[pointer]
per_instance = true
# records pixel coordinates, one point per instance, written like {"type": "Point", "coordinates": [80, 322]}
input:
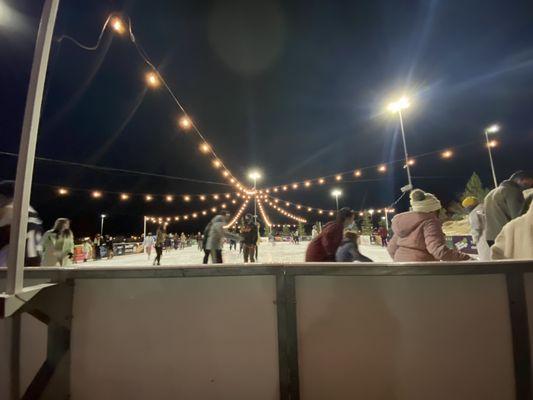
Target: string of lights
{"type": "Point", "coordinates": [286, 213]}
{"type": "Point", "coordinates": [263, 213]}
{"type": "Point", "coordinates": [192, 215]}
{"type": "Point", "coordinates": [357, 173]}
{"type": "Point", "coordinates": [155, 79]}
{"type": "Point", "coordinates": [237, 215]}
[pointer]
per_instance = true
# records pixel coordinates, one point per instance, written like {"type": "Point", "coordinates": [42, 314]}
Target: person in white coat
{"type": "Point", "coordinates": [478, 226]}
{"type": "Point", "coordinates": [148, 243]}
{"type": "Point", "coordinates": [58, 245]}
{"type": "Point", "coordinates": [515, 240]}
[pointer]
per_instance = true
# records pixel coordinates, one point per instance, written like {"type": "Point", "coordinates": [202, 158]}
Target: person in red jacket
{"type": "Point", "coordinates": [323, 247]}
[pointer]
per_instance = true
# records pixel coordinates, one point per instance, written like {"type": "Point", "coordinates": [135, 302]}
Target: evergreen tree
{"type": "Point", "coordinates": [286, 230]}
{"type": "Point", "coordinates": [268, 230]}
{"type": "Point", "coordinates": [301, 229]}
{"type": "Point", "coordinates": [367, 226]}
{"type": "Point", "coordinates": [474, 187]}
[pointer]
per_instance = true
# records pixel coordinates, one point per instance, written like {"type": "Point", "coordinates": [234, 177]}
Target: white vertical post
{"type": "Point", "coordinates": [405, 152]}
{"type": "Point", "coordinates": [144, 227]}
{"type": "Point", "coordinates": [28, 142]}
{"type": "Point", "coordinates": [491, 161]}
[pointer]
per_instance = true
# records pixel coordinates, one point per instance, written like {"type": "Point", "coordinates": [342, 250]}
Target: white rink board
{"type": "Point", "coordinates": [175, 338]}
{"type": "Point", "coordinates": [395, 337]}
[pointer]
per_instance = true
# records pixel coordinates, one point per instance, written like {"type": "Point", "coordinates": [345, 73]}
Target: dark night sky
{"type": "Point", "coordinates": [296, 88]}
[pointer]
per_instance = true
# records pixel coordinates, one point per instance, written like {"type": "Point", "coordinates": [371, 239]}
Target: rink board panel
{"type": "Point", "coordinates": [416, 337]}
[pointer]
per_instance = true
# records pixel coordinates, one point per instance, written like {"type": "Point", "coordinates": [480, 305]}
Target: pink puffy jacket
{"type": "Point", "coordinates": [418, 236]}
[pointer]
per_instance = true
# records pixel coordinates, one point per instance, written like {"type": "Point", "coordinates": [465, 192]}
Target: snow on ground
{"type": "Point", "coordinates": [280, 252]}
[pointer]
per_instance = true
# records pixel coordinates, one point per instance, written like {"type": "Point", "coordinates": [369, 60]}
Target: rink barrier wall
{"type": "Point", "coordinates": [300, 290]}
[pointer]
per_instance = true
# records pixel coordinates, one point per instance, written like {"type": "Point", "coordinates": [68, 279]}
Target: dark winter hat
{"type": "Point", "coordinates": [344, 213]}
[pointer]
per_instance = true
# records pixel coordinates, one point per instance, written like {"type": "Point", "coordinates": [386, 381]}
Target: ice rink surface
{"type": "Point", "coordinates": [268, 253]}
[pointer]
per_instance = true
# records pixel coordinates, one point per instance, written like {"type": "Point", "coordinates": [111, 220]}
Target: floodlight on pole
{"type": "Point", "coordinates": [254, 175]}
{"type": "Point", "coordinates": [336, 193]}
{"type": "Point", "coordinates": [102, 217]}
{"type": "Point", "coordinates": [396, 107]}
{"type": "Point", "coordinates": [491, 143]}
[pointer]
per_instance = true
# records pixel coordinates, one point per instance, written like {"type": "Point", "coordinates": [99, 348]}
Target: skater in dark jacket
{"type": "Point", "coordinates": [323, 247]}
{"type": "Point", "coordinates": [348, 251]}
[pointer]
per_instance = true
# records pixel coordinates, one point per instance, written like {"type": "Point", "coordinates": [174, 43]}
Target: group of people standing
{"type": "Point", "coordinates": [502, 228]}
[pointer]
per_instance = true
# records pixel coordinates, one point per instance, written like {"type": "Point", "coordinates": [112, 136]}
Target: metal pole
{"type": "Point", "coordinates": [255, 200]}
{"type": "Point", "coordinates": [491, 161]}
{"type": "Point", "coordinates": [337, 202]}
{"type": "Point", "coordinates": [102, 226]}
{"type": "Point", "coordinates": [387, 219]}
{"type": "Point", "coordinates": [144, 228]}
{"type": "Point", "coordinates": [405, 152]}
{"type": "Point", "coordinates": [28, 141]}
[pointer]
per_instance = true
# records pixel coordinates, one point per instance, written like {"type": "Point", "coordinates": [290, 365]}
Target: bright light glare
{"type": "Point", "coordinates": [447, 154]}
{"type": "Point", "coordinates": [185, 123]}
{"type": "Point", "coordinates": [493, 143]}
{"type": "Point", "coordinates": [118, 25]}
{"type": "Point", "coordinates": [152, 80]}
{"type": "Point", "coordinates": [96, 194]}
{"type": "Point", "coordinates": [103, 215]}
{"type": "Point", "coordinates": [62, 191]}
{"type": "Point", "coordinates": [204, 148]}
{"type": "Point", "coordinates": [382, 168]}
{"type": "Point", "coordinates": [493, 128]}
{"type": "Point", "coordinates": [254, 175]}
{"type": "Point", "coordinates": [336, 192]}
{"type": "Point", "coordinates": [401, 104]}
{"type": "Point", "coordinates": [124, 196]}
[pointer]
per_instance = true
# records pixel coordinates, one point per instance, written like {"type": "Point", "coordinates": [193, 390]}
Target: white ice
{"type": "Point", "coordinates": [280, 252]}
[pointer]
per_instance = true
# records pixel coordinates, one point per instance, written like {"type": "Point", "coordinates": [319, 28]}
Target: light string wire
{"type": "Point", "coordinates": [120, 170]}
{"type": "Point", "coordinates": [190, 215]}
{"type": "Point", "coordinates": [144, 55]}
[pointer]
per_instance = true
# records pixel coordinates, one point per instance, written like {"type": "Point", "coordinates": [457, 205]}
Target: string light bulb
{"type": "Point", "coordinates": [338, 177]}
{"type": "Point", "coordinates": [186, 198]}
{"type": "Point", "coordinates": [169, 198]}
{"type": "Point", "coordinates": [96, 194]}
{"type": "Point", "coordinates": [117, 25]}
{"type": "Point", "coordinates": [382, 168]}
{"type": "Point", "coordinates": [446, 154]}
{"type": "Point", "coordinates": [152, 80]}
{"type": "Point", "coordinates": [357, 173]}
{"type": "Point", "coordinates": [124, 196]}
{"type": "Point", "coordinates": [204, 148]}
{"type": "Point", "coordinates": [148, 197]}
{"type": "Point", "coordinates": [185, 123]}
{"type": "Point", "coordinates": [62, 191]}
{"type": "Point", "coordinates": [217, 163]}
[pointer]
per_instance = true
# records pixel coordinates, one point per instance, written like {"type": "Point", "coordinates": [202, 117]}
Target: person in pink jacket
{"type": "Point", "coordinates": [418, 234]}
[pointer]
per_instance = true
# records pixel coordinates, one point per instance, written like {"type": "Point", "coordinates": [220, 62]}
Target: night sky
{"type": "Point", "coordinates": [295, 88]}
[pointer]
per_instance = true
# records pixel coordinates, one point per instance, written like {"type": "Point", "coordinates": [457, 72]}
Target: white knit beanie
{"type": "Point", "coordinates": [424, 202]}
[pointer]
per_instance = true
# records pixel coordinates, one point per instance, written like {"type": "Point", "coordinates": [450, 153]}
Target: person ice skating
{"type": "Point", "coordinates": [383, 234]}
{"type": "Point", "coordinates": [148, 242]}
{"type": "Point", "coordinates": [58, 245]}
{"type": "Point", "coordinates": [324, 246]}
{"type": "Point", "coordinates": [348, 251]}
{"type": "Point", "coordinates": [159, 243]}
{"type": "Point", "coordinates": [109, 247]}
{"type": "Point", "coordinates": [476, 217]}
{"type": "Point", "coordinates": [249, 234]}
{"type": "Point", "coordinates": [87, 249]}
{"type": "Point", "coordinates": [199, 240]}
{"type": "Point", "coordinates": [314, 232]}
{"type": "Point", "coordinates": [418, 234]}
{"type": "Point", "coordinates": [515, 240]}
{"type": "Point", "coordinates": [215, 238]}
{"type": "Point", "coordinates": [183, 240]}
{"type": "Point", "coordinates": [34, 236]}
{"type": "Point", "coordinates": [97, 242]}
{"type": "Point", "coordinates": [506, 202]}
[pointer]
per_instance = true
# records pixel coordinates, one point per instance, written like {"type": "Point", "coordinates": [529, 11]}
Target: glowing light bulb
{"type": "Point", "coordinates": [62, 191]}
{"type": "Point", "coordinates": [96, 194]}
{"type": "Point", "coordinates": [321, 181]}
{"type": "Point", "coordinates": [187, 198]}
{"type": "Point", "coordinates": [338, 177]}
{"type": "Point", "coordinates": [148, 197]}
{"type": "Point", "coordinates": [204, 148]}
{"type": "Point", "coordinates": [152, 80]}
{"type": "Point", "coordinates": [217, 163]}
{"type": "Point", "coordinates": [357, 173]}
{"type": "Point", "coordinates": [202, 197]}
{"type": "Point", "coordinates": [169, 198]}
{"type": "Point", "coordinates": [185, 123]}
{"type": "Point", "coordinates": [124, 196]}
{"type": "Point", "coordinates": [446, 154]}
{"type": "Point", "coordinates": [382, 168]}
{"type": "Point", "coordinates": [117, 25]}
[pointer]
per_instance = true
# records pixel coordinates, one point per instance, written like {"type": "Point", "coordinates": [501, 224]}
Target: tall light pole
{"type": "Point", "coordinates": [492, 129]}
{"type": "Point", "coordinates": [254, 176]}
{"type": "Point", "coordinates": [336, 193]}
{"type": "Point", "coordinates": [396, 107]}
{"type": "Point", "coordinates": [102, 217]}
